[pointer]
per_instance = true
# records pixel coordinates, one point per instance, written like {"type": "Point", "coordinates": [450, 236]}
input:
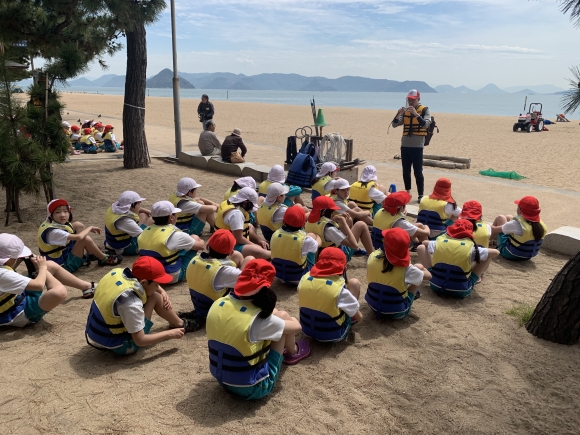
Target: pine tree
{"type": "Point", "coordinates": [571, 99]}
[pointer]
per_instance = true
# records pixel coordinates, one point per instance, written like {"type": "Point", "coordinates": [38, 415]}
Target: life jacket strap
{"type": "Point", "coordinates": [241, 358]}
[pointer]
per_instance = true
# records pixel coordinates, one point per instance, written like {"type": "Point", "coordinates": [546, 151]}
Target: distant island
{"type": "Point", "coordinates": [165, 80]}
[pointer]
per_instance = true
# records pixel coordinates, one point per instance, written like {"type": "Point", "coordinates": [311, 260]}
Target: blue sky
{"type": "Point", "coordinates": [457, 42]}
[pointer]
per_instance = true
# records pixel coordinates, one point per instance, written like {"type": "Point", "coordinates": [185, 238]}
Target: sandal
{"type": "Point", "coordinates": [303, 352]}
{"type": "Point", "coordinates": [186, 314]}
{"type": "Point", "coordinates": [360, 253]}
{"type": "Point", "coordinates": [111, 260]}
{"type": "Point", "coordinates": [191, 325]}
{"type": "Point", "coordinates": [417, 295]}
{"type": "Point", "coordinates": [90, 292]}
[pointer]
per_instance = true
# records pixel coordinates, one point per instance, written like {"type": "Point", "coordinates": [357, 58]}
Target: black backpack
{"type": "Point", "coordinates": [431, 130]}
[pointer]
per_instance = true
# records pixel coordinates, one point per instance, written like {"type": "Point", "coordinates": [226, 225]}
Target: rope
{"type": "Point", "coordinates": [332, 148]}
{"type": "Point", "coordinates": [136, 107]}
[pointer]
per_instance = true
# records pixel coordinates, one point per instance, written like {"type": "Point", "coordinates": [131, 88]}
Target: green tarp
{"type": "Point", "coordinates": [512, 175]}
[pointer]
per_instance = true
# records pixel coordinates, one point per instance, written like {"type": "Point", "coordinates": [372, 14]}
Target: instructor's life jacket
{"type": "Point", "coordinates": [233, 359]}
{"type": "Point", "coordinates": [11, 305]}
{"type": "Point", "coordinates": [152, 242]}
{"type": "Point", "coordinates": [287, 258]}
{"type": "Point", "coordinates": [219, 219]}
{"type": "Point", "coordinates": [383, 220]}
{"type": "Point", "coordinates": [387, 292]}
{"type": "Point", "coordinates": [359, 193]}
{"type": "Point", "coordinates": [318, 229]}
{"type": "Point", "coordinates": [411, 126]}
{"type": "Point", "coordinates": [104, 326]}
{"type": "Point", "coordinates": [432, 213]}
{"type": "Point", "coordinates": [525, 246]}
{"type": "Point", "coordinates": [183, 219]}
{"type": "Point", "coordinates": [200, 275]}
{"type": "Point", "coordinates": [115, 238]}
{"type": "Point", "coordinates": [451, 264]}
{"type": "Point", "coordinates": [56, 253]}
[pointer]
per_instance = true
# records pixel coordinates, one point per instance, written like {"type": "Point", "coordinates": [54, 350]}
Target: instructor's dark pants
{"type": "Point", "coordinates": [413, 157]}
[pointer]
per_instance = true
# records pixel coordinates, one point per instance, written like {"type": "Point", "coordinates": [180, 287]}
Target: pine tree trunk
{"type": "Point", "coordinates": [557, 316]}
{"type": "Point", "coordinates": [136, 153]}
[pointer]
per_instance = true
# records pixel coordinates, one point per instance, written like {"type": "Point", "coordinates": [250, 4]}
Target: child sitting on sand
{"type": "Point", "coordinates": [438, 210]}
{"type": "Point", "coordinates": [195, 212]}
{"type": "Point", "coordinates": [75, 138]}
{"type": "Point", "coordinates": [110, 143]}
{"type": "Point", "coordinates": [393, 281]}
{"type": "Point", "coordinates": [519, 238]}
{"type": "Point", "coordinates": [367, 193]}
{"type": "Point", "coordinates": [340, 192]}
{"type": "Point", "coordinates": [326, 173]}
{"type": "Point", "coordinates": [125, 220]}
{"type": "Point", "coordinates": [472, 211]}
{"type": "Point", "coordinates": [277, 175]}
{"type": "Point", "coordinates": [293, 250]}
{"type": "Point", "coordinates": [120, 315]}
{"type": "Point", "coordinates": [65, 242]}
{"type": "Point", "coordinates": [392, 215]}
{"type": "Point", "coordinates": [88, 142]}
{"type": "Point", "coordinates": [454, 260]}
{"type": "Point", "coordinates": [240, 183]}
{"type": "Point", "coordinates": [271, 212]}
{"type": "Point", "coordinates": [248, 338]}
{"type": "Point", "coordinates": [327, 301]}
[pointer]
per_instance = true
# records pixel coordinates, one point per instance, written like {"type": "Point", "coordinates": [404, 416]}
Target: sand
{"type": "Point", "coordinates": [462, 367]}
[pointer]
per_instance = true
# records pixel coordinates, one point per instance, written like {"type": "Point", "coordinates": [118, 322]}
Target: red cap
{"type": "Point", "coordinates": [150, 269]}
{"type": "Point", "coordinates": [331, 261]}
{"type": "Point", "coordinates": [108, 127]}
{"type": "Point", "coordinates": [319, 204]}
{"type": "Point", "coordinates": [295, 216]}
{"type": "Point", "coordinates": [98, 124]}
{"type": "Point", "coordinates": [222, 241]}
{"type": "Point", "coordinates": [87, 131]}
{"type": "Point", "coordinates": [461, 229]}
{"type": "Point", "coordinates": [396, 200]}
{"type": "Point", "coordinates": [396, 245]}
{"type": "Point", "coordinates": [257, 274]}
{"type": "Point", "coordinates": [53, 205]}
{"type": "Point", "coordinates": [75, 128]}
{"type": "Point", "coordinates": [471, 210]}
{"type": "Point", "coordinates": [442, 190]}
{"type": "Point", "coordinates": [530, 208]}
{"type": "Point", "coordinates": [413, 94]}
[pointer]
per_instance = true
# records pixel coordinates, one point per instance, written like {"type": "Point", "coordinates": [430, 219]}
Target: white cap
{"type": "Point", "coordinates": [277, 174]}
{"type": "Point", "coordinates": [246, 194]}
{"type": "Point", "coordinates": [65, 124]}
{"type": "Point", "coordinates": [185, 185]}
{"type": "Point", "coordinates": [12, 247]}
{"type": "Point", "coordinates": [336, 183]}
{"type": "Point", "coordinates": [129, 197]}
{"type": "Point", "coordinates": [163, 208]}
{"type": "Point", "coordinates": [237, 132]}
{"type": "Point", "coordinates": [274, 191]}
{"type": "Point", "coordinates": [246, 182]}
{"type": "Point", "coordinates": [326, 168]}
{"type": "Point", "coordinates": [86, 120]}
{"type": "Point", "coordinates": [369, 173]}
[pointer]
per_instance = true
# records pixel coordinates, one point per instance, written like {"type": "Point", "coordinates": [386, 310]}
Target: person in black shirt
{"type": "Point", "coordinates": [205, 110]}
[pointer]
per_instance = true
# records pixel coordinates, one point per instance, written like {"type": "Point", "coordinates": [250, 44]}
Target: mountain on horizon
{"type": "Point", "coordinates": [490, 89]}
{"type": "Point", "coordinates": [538, 89]}
{"type": "Point", "coordinates": [165, 80]}
{"type": "Point", "coordinates": [448, 89]}
{"type": "Point", "coordinates": [525, 92]}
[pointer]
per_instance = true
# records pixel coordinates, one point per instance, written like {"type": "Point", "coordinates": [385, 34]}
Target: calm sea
{"type": "Point", "coordinates": [474, 104]}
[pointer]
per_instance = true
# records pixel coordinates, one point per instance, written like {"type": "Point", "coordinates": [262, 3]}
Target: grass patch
{"type": "Point", "coordinates": [522, 313]}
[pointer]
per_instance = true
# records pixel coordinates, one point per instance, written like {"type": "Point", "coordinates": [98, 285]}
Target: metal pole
{"type": "Point", "coordinates": [176, 114]}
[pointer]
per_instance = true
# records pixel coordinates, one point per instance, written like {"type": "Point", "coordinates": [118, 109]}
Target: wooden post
{"type": "Point", "coordinates": [451, 159]}
{"type": "Point", "coordinates": [349, 150]}
{"type": "Point", "coordinates": [438, 164]}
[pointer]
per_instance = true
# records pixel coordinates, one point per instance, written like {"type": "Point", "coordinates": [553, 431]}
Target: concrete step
{"type": "Point", "coordinates": [564, 240]}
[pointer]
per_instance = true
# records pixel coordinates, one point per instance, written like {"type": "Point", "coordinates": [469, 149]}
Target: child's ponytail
{"type": "Point", "coordinates": [387, 265]}
{"type": "Point", "coordinates": [537, 230]}
{"type": "Point", "coordinates": [266, 300]}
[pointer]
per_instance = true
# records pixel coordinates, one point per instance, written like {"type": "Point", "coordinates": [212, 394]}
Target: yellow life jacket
{"type": "Point", "coordinates": [10, 304]}
{"type": "Point", "coordinates": [481, 235]}
{"type": "Point", "coordinates": [107, 136]}
{"type": "Point", "coordinates": [54, 252]}
{"type": "Point", "coordinates": [525, 246]}
{"type": "Point", "coordinates": [183, 219]}
{"type": "Point", "coordinates": [320, 318]}
{"type": "Point", "coordinates": [411, 126]}
{"type": "Point", "coordinates": [318, 229]}
{"type": "Point", "coordinates": [286, 252]}
{"type": "Point", "coordinates": [432, 213]}
{"type": "Point", "coordinates": [234, 360]}
{"type": "Point", "coordinates": [94, 134]}
{"type": "Point", "coordinates": [263, 187]}
{"type": "Point", "coordinates": [104, 327]}
{"type": "Point", "coordinates": [115, 238]}
{"type": "Point", "coordinates": [152, 242]}
{"type": "Point", "coordinates": [200, 275]}
{"type": "Point", "coordinates": [318, 187]}
{"type": "Point", "coordinates": [265, 216]}
{"type": "Point", "coordinates": [387, 292]}
{"type": "Point", "coordinates": [228, 194]}
{"type": "Point", "coordinates": [451, 263]}
{"type": "Point", "coordinates": [359, 193]}
{"type": "Point", "coordinates": [85, 139]}
{"type": "Point", "coordinates": [219, 219]}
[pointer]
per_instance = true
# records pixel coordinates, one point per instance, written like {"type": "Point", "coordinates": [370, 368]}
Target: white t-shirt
{"type": "Point", "coordinates": [512, 227]}
{"type": "Point", "coordinates": [75, 136]}
{"type": "Point", "coordinates": [278, 215]}
{"type": "Point", "coordinates": [342, 205]}
{"type": "Point", "coordinates": [450, 211]}
{"type": "Point", "coordinates": [130, 308]}
{"type": "Point", "coordinates": [483, 252]}
{"type": "Point", "coordinates": [187, 206]}
{"type": "Point", "coordinates": [14, 283]}
{"type": "Point", "coordinates": [376, 195]}
{"type": "Point", "coordinates": [310, 246]}
{"type": "Point", "coordinates": [92, 140]}
{"type": "Point", "coordinates": [234, 219]}
{"type": "Point", "coordinates": [407, 226]}
{"type": "Point", "coordinates": [333, 235]}
{"type": "Point", "coordinates": [413, 276]}
{"type": "Point", "coordinates": [57, 237]}
{"type": "Point", "coordinates": [98, 136]}
{"type": "Point", "coordinates": [180, 240]}
{"type": "Point", "coordinates": [128, 226]}
{"type": "Point", "coordinates": [347, 302]}
{"type": "Point", "coordinates": [226, 277]}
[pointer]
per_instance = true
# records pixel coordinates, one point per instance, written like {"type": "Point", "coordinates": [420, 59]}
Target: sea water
{"type": "Point", "coordinates": [472, 104]}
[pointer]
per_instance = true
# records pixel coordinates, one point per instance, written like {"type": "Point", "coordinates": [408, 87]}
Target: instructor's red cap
{"type": "Point", "coordinates": [257, 274]}
{"type": "Point", "coordinates": [295, 216]}
{"type": "Point", "coordinates": [150, 269]}
{"type": "Point", "coordinates": [396, 245]}
{"type": "Point", "coordinates": [319, 204]}
{"type": "Point", "coordinates": [442, 190]}
{"type": "Point", "coordinates": [396, 200]}
{"type": "Point", "coordinates": [332, 261]}
{"type": "Point", "coordinates": [471, 210]}
{"type": "Point", "coordinates": [530, 208]}
{"type": "Point", "coordinates": [222, 242]}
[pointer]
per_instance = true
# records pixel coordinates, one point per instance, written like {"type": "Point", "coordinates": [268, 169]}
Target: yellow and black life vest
{"type": "Point", "coordinates": [383, 220]}
{"type": "Point", "coordinates": [263, 187]}
{"type": "Point", "coordinates": [452, 264]}
{"type": "Point", "coordinates": [152, 242]}
{"type": "Point", "coordinates": [265, 216]}
{"type": "Point", "coordinates": [115, 238]}
{"type": "Point", "coordinates": [525, 246]}
{"type": "Point", "coordinates": [318, 187]}
{"type": "Point", "coordinates": [233, 359]}
{"type": "Point", "coordinates": [318, 229]}
{"type": "Point", "coordinates": [387, 292]}
{"type": "Point", "coordinates": [286, 253]}
{"type": "Point", "coordinates": [432, 213]}
{"type": "Point", "coordinates": [55, 253]}
{"type": "Point", "coordinates": [225, 207]}
{"type": "Point", "coordinates": [411, 126]}
{"type": "Point", "coordinates": [183, 218]}
{"type": "Point", "coordinates": [359, 193]}
{"type": "Point", "coordinates": [228, 194]}
{"type": "Point", "coordinates": [11, 305]}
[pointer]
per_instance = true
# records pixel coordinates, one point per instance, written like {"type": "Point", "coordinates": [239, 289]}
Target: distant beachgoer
{"type": "Point", "coordinates": [231, 144]}
{"type": "Point", "coordinates": [416, 119]}
{"type": "Point", "coordinates": [205, 110]}
{"type": "Point", "coordinates": [209, 144]}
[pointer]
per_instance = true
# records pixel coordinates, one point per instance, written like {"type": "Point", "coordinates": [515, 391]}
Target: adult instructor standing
{"type": "Point", "coordinates": [415, 118]}
{"type": "Point", "coordinates": [205, 110]}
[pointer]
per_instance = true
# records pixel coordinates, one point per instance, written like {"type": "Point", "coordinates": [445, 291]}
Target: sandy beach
{"type": "Point", "coordinates": [451, 367]}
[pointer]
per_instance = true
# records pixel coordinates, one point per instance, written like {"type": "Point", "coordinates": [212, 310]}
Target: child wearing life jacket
{"type": "Point", "coordinates": [277, 175]}
{"type": "Point", "coordinates": [125, 220]}
{"type": "Point", "coordinates": [293, 250]}
{"type": "Point", "coordinates": [326, 173]}
{"type": "Point", "coordinates": [240, 183]}
{"type": "Point", "coordinates": [120, 315]}
{"type": "Point", "coordinates": [473, 212]}
{"type": "Point", "coordinates": [195, 212]}
{"type": "Point", "coordinates": [271, 212]}
{"type": "Point", "coordinates": [519, 238]}
{"type": "Point", "coordinates": [234, 215]}
{"type": "Point", "coordinates": [75, 138]}
{"type": "Point", "coordinates": [454, 260]}
{"type": "Point", "coordinates": [340, 192]}
{"type": "Point", "coordinates": [65, 242]}
{"type": "Point", "coordinates": [328, 303]}
{"type": "Point", "coordinates": [88, 142]}
{"type": "Point", "coordinates": [333, 229]}
{"type": "Point", "coordinates": [22, 300]}
{"type": "Point", "coordinates": [392, 215]}
{"type": "Point", "coordinates": [212, 274]}
{"type": "Point", "coordinates": [110, 143]}
{"type": "Point", "coordinates": [367, 193]}
{"type": "Point", "coordinates": [438, 210]}
{"type": "Point", "coordinates": [393, 281]}
{"type": "Point", "coordinates": [67, 131]}
{"type": "Point", "coordinates": [248, 338]}
{"type": "Point", "coordinates": [165, 242]}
